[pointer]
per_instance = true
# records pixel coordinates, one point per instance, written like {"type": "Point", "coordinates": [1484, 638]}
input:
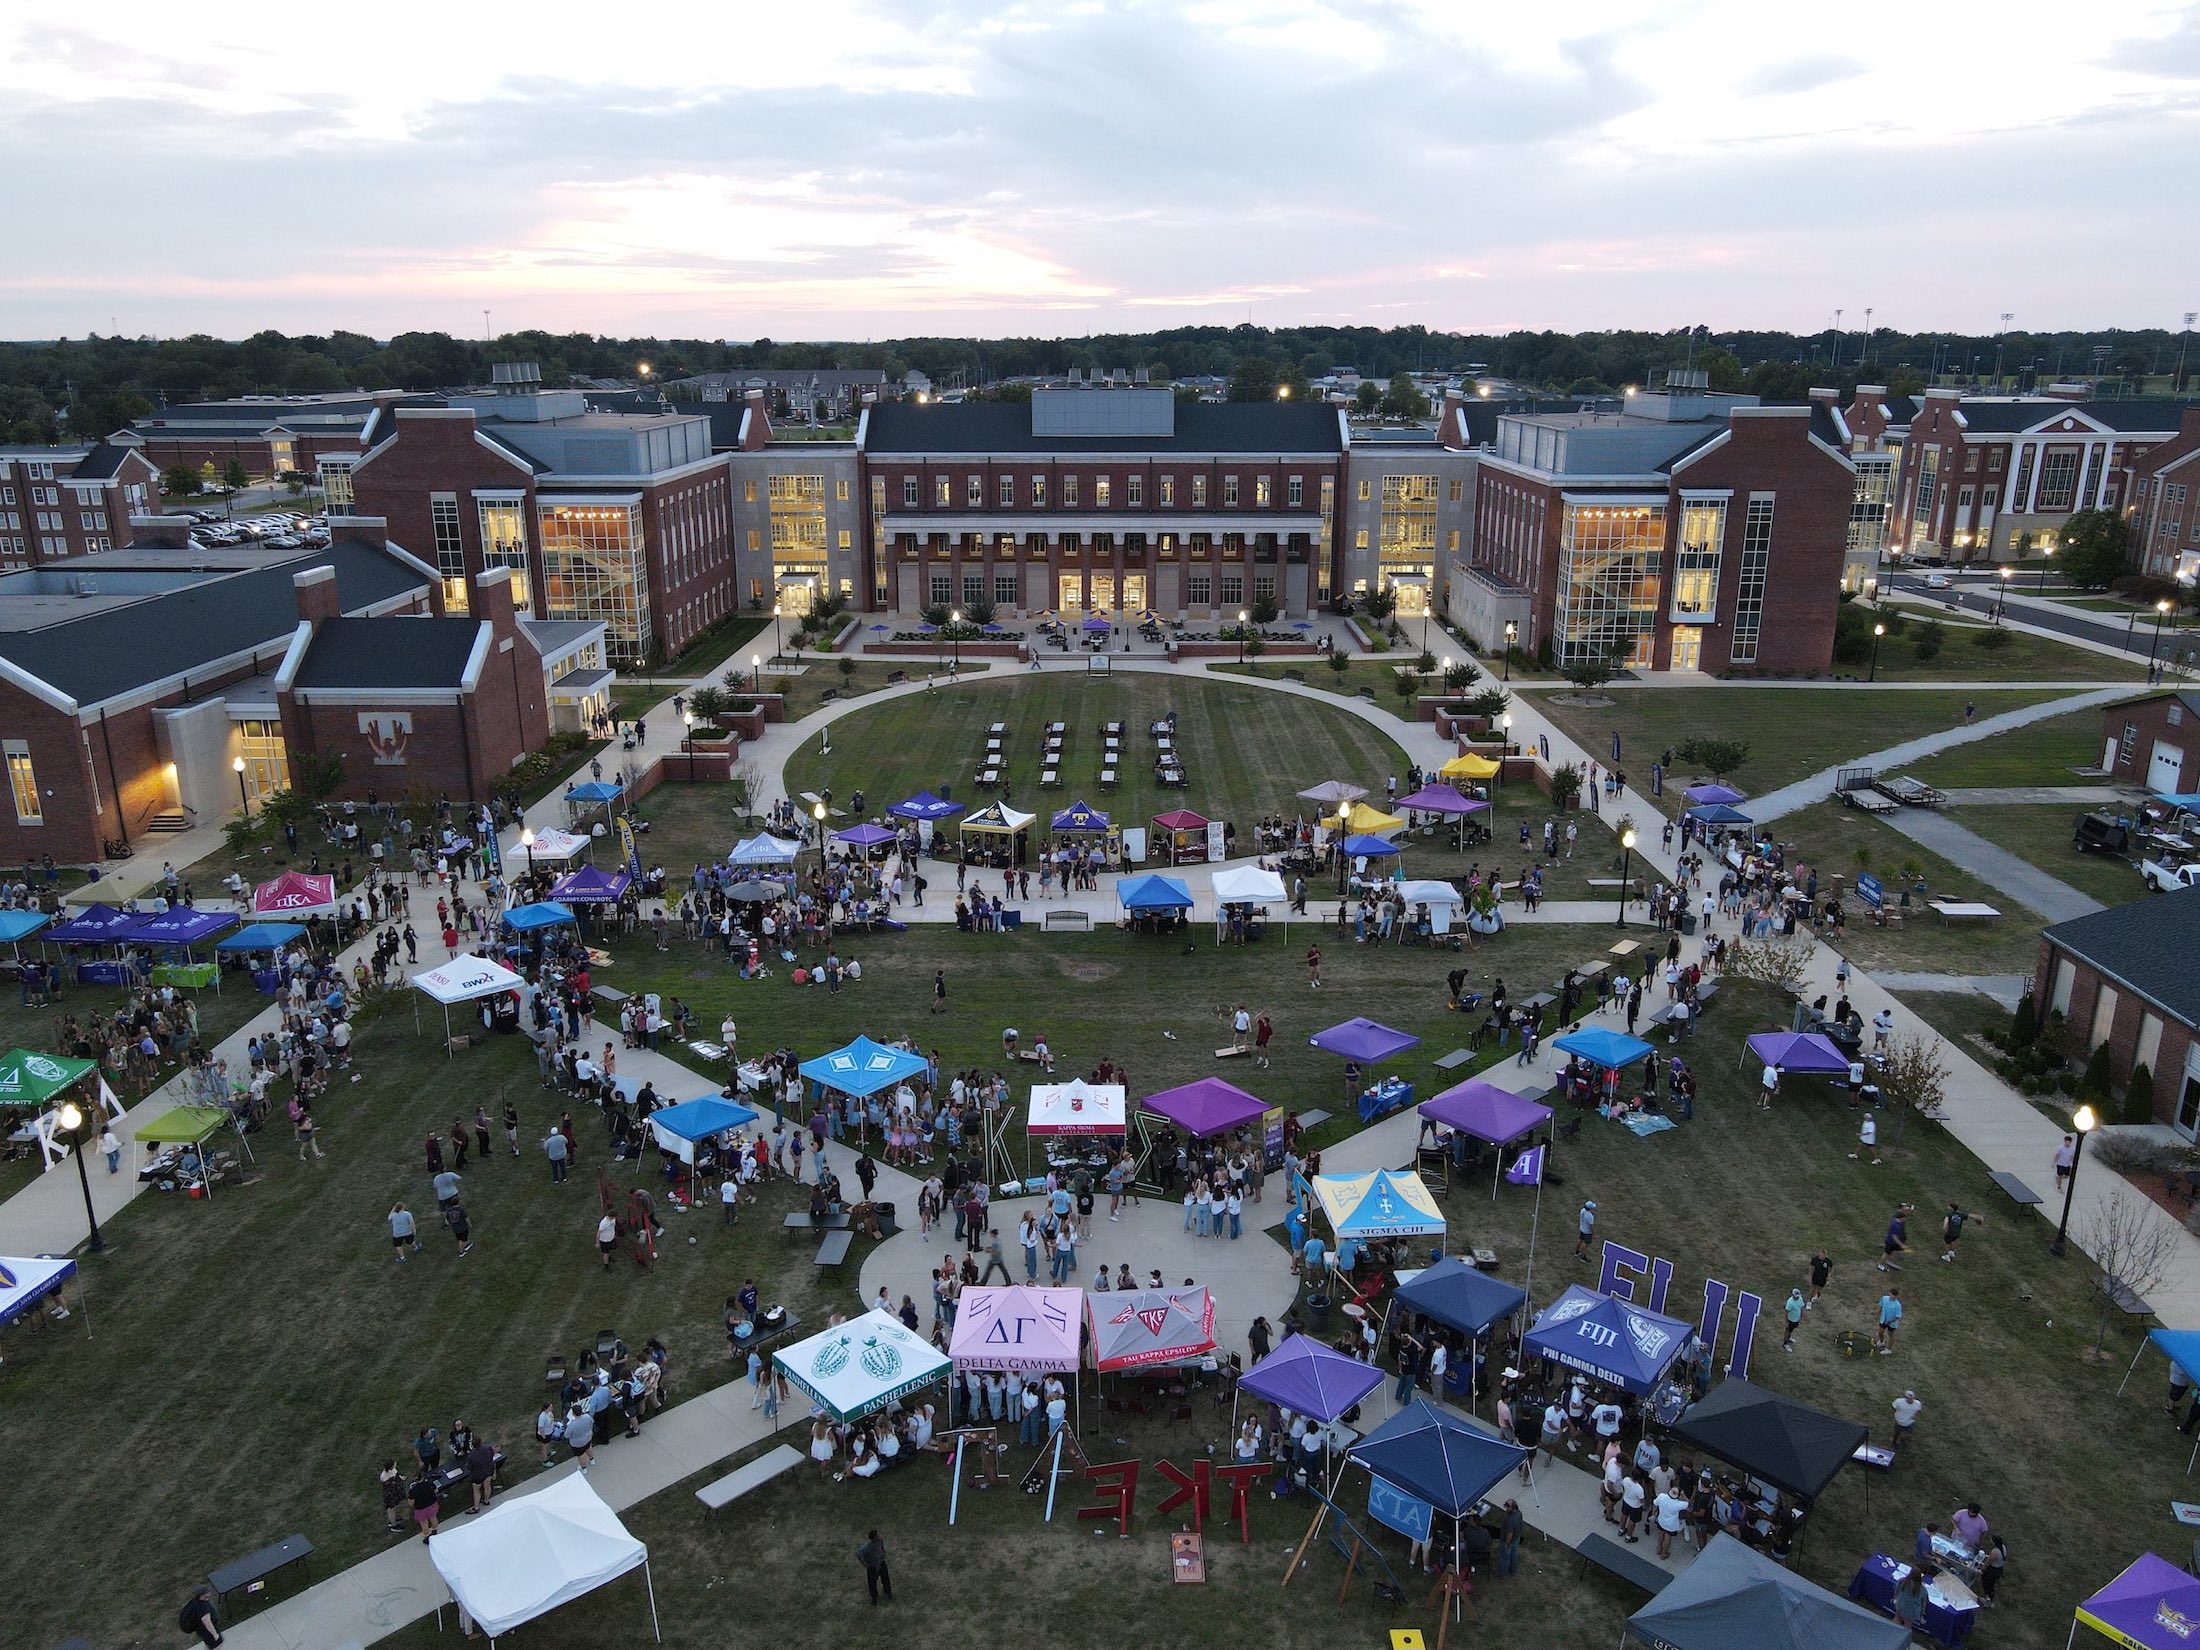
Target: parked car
{"type": "Point", "coordinates": [2167, 875]}
{"type": "Point", "coordinates": [1938, 581]}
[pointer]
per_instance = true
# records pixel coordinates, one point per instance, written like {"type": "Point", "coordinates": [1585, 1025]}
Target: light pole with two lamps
{"type": "Point", "coordinates": [74, 1124]}
{"type": "Point", "coordinates": [2082, 1122]}
{"type": "Point", "coordinates": [244, 797]}
{"type": "Point", "coordinates": [1626, 866]}
{"type": "Point", "coordinates": [1878, 630]}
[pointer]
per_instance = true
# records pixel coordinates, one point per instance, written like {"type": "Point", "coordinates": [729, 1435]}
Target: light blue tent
{"type": "Point", "coordinates": [1610, 1049]}
{"type": "Point", "coordinates": [18, 926]}
{"type": "Point", "coordinates": [526, 919]}
{"type": "Point", "coordinates": [679, 1127]}
{"type": "Point", "coordinates": [596, 790]}
{"type": "Point", "coordinates": [763, 849]}
{"type": "Point", "coordinates": [2182, 1348]}
{"type": "Point", "coordinates": [1368, 847]}
{"type": "Point", "coordinates": [261, 936]}
{"type": "Point", "coordinates": [1153, 892]}
{"type": "Point", "coordinates": [863, 1067]}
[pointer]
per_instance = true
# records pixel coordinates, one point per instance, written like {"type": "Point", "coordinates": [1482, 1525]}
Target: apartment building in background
{"type": "Point", "coordinates": [2164, 512]}
{"type": "Point", "coordinates": [270, 435]}
{"type": "Point", "coordinates": [58, 503]}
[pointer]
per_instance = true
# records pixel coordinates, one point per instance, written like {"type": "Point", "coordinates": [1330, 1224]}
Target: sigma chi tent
{"type": "Point", "coordinates": [1020, 1328]}
{"type": "Point", "coordinates": [2153, 1605]}
{"type": "Point", "coordinates": [535, 1550]}
{"type": "Point", "coordinates": [294, 894]}
{"type": "Point", "coordinates": [261, 936]}
{"type": "Point", "coordinates": [1460, 1296]}
{"type": "Point", "coordinates": [1600, 1047]}
{"type": "Point", "coordinates": [863, 1067]}
{"type": "Point", "coordinates": [1619, 1344]}
{"type": "Point", "coordinates": [1153, 892]}
{"type": "Point", "coordinates": [1360, 1038]}
{"type": "Point", "coordinates": [1467, 765]}
{"type": "Point", "coordinates": [461, 980]}
{"type": "Point", "coordinates": [591, 886]}
{"type": "Point", "coordinates": [1076, 1107]}
{"type": "Point", "coordinates": [24, 1283]}
{"type": "Point", "coordinates": [529, 919]}
{"type": "Point", "coordinates": [1803, 1051]}
{"type": "Point", "coordinates": [1384, 1203]}
{"type": "Point", "coordinates": [679, 1128]}
{"type": "Point", "coordinates": [1206, 1108]}
{"type": "Point", "coordinates": [96, 924]}
{"type": "Point", "coordinates": [1079, 816]}
{"type": "Point", "coordinates": [1436, 1457]}
{"type": "Point", "coordinates": [1138, 1327]}
{"type": "Point", "coordinates": [763, 849]}
{"type": "Point", "coordinates": [857, 1368]}
{"type": "Point", "coordinates": [925, 806]}
{"type": "Point", "coordinates": [1789, 1445]}
{"type": "Point", "coordinates": [1731, 1598]}
{"type": "Point", "coordinates": [1308, 1378]}
{"type": "Point", "coordinates": [1437, 797]}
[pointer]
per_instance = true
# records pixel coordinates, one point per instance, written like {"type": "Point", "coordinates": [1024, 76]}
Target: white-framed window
{"type": "Point", "coordinates": [1233, 589]}
{"type": "Point", "coordinates": [1749, 597]}
{"type": "Point", "coordinates": [23, 783]}
{"type": "Point", "coordinates": [1263, 492]}
{"type": "Point", "coordinates": [908, 492]}
{"type": "Point", "coordinates": [1038, 492]}
{"type": "Point", "coordinates": [941, 588]}
{"type": "Point", "coordinates": [840, 490]}
{"type": "Point", "coordinates": [1134, 491]}
{"type": "Point", "coordinates": [1199, 492]}
{"type": "Point", "coordinates": [1295, 495]}
{"type": "Point", "coordinates": [450, 551]}
{"type": "Point", "coordinates": [944, 492]}
{"type": "Point", "coordinates": [1004, 589]}
{"type": "Point", "coordinates": [1367, 489]}
{"type": "Point", "coordinates": [1199, 588]}
{"type": "Point", "coordinates": [1229, 492]}
{"type": "Point", "coordinates": [975, 492]}
{"type": "Point", "coordinates": [973, 589]}
{"type": "Point", "coordinates": [1069, 492]}
{"type": "Point", "coordinates": [1008, 491]}
{"type": "Point", "coordinates": [1168, 491]}
{"type": "Point", "coordinates": [504, 544]}
{"type": "Point", "coordinates": [1102, 488]}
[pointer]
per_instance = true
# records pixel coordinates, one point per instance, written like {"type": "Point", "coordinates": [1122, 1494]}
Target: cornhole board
{"type": "Point", "coordinates": [1187, 1559]}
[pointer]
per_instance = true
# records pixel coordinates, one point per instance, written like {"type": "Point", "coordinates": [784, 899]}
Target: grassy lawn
{"type": "Point", "coordinates": [1787, 729]}
{"type": "Point", "coordinates": [2053, 751]}
{"type": "Point", "coordinates": [2026, 658]}
{"type": "Point", "coordinates": [2041, 835]}
{"type": "Point", "coordinates": [1828, 836]}
{"type": "Point", "coordinates": [1990, 1343]}
{"type": "Point", "coordinates": [1959, 1016]}
{"type": "Point", "coordinates": [726, 640]}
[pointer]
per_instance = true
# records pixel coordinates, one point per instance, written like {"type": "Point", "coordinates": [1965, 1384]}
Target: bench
{"type": "Point", "coordinates": [1066, 922]}
{"type": "Point", "coordinates": [2019, 1192]}
{"type": "Point", "coordinates": [250, 1574]}
{"type": "Point", "coordinates": [610, 996]}
{"type": "Point", "coordinates": [895, 678]}
{"type": "Point", "coordinates": [1313, 1119]}
{"type": "Point", "coordinates": [1610, 1556]}
{"type": "Point", "coordinates": [799, 1221]}
{"type": "Point", "coordinates": [1455, 1059]}
{"type": "Point", "coordinates": [828, 696]}
{"type": "Point", "coordinates": [723, 1492]}
{"type": "Point", "coordinates": [834, 1249]}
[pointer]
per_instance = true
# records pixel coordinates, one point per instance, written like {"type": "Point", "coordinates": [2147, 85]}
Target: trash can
{"type": "Point", "coordinates": [1317, 1313]}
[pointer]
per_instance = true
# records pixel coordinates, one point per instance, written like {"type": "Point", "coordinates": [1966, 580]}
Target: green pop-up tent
{"type": "Point", "coordinates": [191, 1126]}
{"type": "Point", "coordinates": [32, 1080]}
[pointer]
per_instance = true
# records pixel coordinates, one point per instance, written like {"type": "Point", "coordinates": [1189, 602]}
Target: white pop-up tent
{"type": "Point", "coordinates": [461, 980]}
{"type": "Point", "coordinates": [1076, 1107]}
{"type": "Point", "coordinates": [1443, 900]}
{"type": "Point", "coordinates": [528, 1554]}
{"type": "Point", "coordinates": [555, 844]}
{"type": "Point", "coordinates": [1248, 885]}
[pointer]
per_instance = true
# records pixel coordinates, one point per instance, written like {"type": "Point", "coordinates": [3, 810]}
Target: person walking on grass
{"type": "Point", "coordinates": [877, 1578]}
{"type": "Point", "coordinates": [1314, 968]}
{"type": "Point", "coordinates": [1897, 1240]}
{"type": "Point", "coordinates": [1951, 1228]}
{"type": "Point", "coordinates": [462, 1228]}
{"type": "Point", "coordinates": [1890, 1319]}
{"type": "Point", "coordinates": [607, 1237]}
{"type": "Point", "coordinates": [1796, 1306]}
{"type": "Point", "coordinates": [301, 1117]}
{"type": "Point", "coordinates": [1587, 1228]}
{"type": "Point", "coordinates": [1821, 1268]}
{"type": "Point", "coordinates": [404, 1231]}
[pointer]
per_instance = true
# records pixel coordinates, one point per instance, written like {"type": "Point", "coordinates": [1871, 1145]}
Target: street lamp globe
{"type": "Point", "coordinates": [236, 764]}
{"type": "Point", "coordinates": [69, 1116]}
{"type": "Point", "coordinates": [2084, 1120]}
{"type": "Point", "coordinates": [1627, 838]}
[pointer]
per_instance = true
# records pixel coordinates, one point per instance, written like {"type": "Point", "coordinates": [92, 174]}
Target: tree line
{"type": "Point", "coordinates": [89, 387]}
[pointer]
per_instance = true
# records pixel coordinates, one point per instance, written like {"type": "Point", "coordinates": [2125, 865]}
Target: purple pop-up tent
{"type": "Point", "coordinates": [1487, 1112]}
{"type": "Point", "coordinates": [2153, 1605]}
{"type": "Point", "coordinates": [1440, 798]}
{"type": "Point", "coordinates": [1206, 1108]}
{"type": "Point", "coordinates": [1363, 1039]}
{"type": "Point", "coordinates": [865, 835]}
{"type": "Point", "coordinates": [1309, 1378]}
{"type": "Point", "coordinates": [1803, 1051]}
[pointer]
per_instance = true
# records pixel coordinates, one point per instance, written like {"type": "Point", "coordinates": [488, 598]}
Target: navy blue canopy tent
{"type": "Point", "coordinates": [181, 925]}
{"type": "Point", "coordinates": [1436, 1457]}
{"type": "Point", "coordinates": [1718, 813]}
{"type": "Point", "coordinates": [1622, 1345]}
{"type": "Point", "coordinates": [1459, 1297]}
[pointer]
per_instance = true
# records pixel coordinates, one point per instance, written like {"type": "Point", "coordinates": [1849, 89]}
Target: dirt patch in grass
{"type": "Point", "coordinates": [1585, 701]}
{"type": "Point", "coordinates": [1085, 971]}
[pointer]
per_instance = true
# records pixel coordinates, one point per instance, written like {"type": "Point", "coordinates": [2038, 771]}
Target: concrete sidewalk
{"type": "Point", "coordinates": [2019, 879]}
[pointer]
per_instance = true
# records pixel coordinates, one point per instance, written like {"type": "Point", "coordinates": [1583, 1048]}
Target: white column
{"type": "Point", "coordinates": [2032, 483]}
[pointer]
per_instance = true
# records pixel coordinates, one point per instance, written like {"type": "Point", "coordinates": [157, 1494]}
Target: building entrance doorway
{"type": "Point", "coordinates": [1103, 591]}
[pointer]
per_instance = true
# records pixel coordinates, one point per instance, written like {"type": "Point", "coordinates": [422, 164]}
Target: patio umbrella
{"type": "Point", "coordinates": [878, 629]}
{"type": "Point", "coordinates": [1335, 791]}
{"type": "Point", "coordinates": [753, 893]}
{"type": "Point", "coordinates": [1302, 625]}
{"type": "Point", "coordinates": [1712, 793]}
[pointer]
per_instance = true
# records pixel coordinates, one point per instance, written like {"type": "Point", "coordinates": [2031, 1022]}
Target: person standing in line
{"type": "Point", "coordinates": [580, 1435]}
{"type": "Point", "coordinates": [1907, 1409]}
{"type": "Point", "coordinates": [424, 1503]}
{"type": "Point", "coordinates": [404, 1231]}
{"type": "Point", "coordinates": [1890, 1319]}
{"type": "Point", "coordinates": [461, 1226]}
{"type": "Point", "coordinates": [556, 1148]}
{"type": "Point", "coordinates": [481, 1471]}
{"type": "Point", "coordinates": [877, 1578]}
{"type": "Point", "coordinates": [1587, 1229]}
{"type": "Point", "coordinates": [1795, 1309]}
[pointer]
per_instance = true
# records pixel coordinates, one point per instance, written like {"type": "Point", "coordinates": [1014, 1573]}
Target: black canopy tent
{"type": "Point", "coordinates": [1734, 1599]}
{"type": "Point", "coordinates": [1789, 1445]}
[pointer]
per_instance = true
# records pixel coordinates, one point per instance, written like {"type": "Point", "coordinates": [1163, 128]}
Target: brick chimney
{"type": "Point", "coordinates": [756, 424]}
{"type": "Point", "coordinates": [315, 589]}
{"type": "Point", "coordinates": [1826, 397]}
{"type": "Point", "coordinates": [492, 602]}
{"type": "Point", "coordinates": [1451, 426]}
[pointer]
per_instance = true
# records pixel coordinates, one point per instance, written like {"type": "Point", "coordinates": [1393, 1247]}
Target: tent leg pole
{"type": "Point", "coordinates": [657, 1632]}
{"type": "Point", "coordinates": [1054, 1471]}
{"type": "Point", "coordinates": [2133, 1365]}
{"type": "Point", "coordinates": [954, 1496]}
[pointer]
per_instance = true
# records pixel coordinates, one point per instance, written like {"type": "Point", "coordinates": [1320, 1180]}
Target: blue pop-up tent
{"type": "Point", "coordinates": [1718, 813]}
{"type": "Point", "coordinates": [181, 925]}
{"type": "Point", "coordinates": [596, 790]}
{"type": "Point", "coordinates": [1457, 1295]}
{"type": "Point", "coordinates": [526, 919]}
{"type": "Point", "coordinates": [1435, 1457]}
{"type": "Point", "coordinates": [1601, 1047]}
{"type": "Point", "coordinates": [20, 925]}
{"type": "Point", "coordinates": [97, 924]}
{"type": "Point", "coordinates": [261, 936]}
{"type": "Point", "coordinates": [1153, 892]}
{"type": "Point", "coordinates": [1368, 847]}
{"type": "Point", "coordinates": [679, 1127]}
{"type": "Point", "coordinates": [2182, 1348]}
{"type": "Point", "coordinates": [863, 1067]}
{"type": "Point", "coordinates": [924, 805]}
{"type": "Point", "coordinates": [1620, 1344]}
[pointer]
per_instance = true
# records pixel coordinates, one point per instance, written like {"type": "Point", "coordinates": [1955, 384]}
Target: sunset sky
{"type": "Point", "coordinates": [844, 170]}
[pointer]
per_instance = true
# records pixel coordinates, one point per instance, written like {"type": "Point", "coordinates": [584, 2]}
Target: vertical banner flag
{"type": "Point", "coordinates": [1527, 1169]}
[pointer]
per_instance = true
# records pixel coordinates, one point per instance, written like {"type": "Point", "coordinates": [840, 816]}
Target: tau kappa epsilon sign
{"type": "Point", "coordinates": [387, 733]}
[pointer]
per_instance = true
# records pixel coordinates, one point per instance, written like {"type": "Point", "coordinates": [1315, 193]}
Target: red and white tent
{"type": "Point", "coordinates": [1077, 1107]}
{"type": "Point", "coordinates": [294, 894]}
{"type": "Point", "coordinates": [1137, 1327]}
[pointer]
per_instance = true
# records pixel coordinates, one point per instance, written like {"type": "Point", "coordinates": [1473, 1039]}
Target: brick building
{"type": "Point", "coordinates": [2154, 742]}
{"type": "Point", "coordinates": [2124, 977]}
{"type": "Point", "coordinates": [1987, 478]}
{"type": "Point", "coordinates": [822, 393]}
{"type": "Point", "coordinates": [2164, 512]}
{"type": "Point", "coordinates": [617, 519]}
{"type": "Point", "coordinates": [269, 435]}
{"type": "Point", "coordinates": [57, 503]}
{"type": "Point", "coordinates": [1682, 530]}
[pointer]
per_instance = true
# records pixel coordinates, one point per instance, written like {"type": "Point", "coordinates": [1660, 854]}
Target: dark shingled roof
{"type": "Point", "coordinates": [102, 462]}
{"type": "Point", "coordinates": [388, 653]}
{"type": "Point", "coordinates": [2145, 947]}
{"type": "Point", "coordinates": [116, 649]}
{"type": "Point", "coordinates": [1005, 427]}
{"type": "Point", "coordinates": [2124, 417]}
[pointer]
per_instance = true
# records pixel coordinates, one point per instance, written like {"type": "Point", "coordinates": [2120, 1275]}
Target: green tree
{"type": "Point", "coordinates": [1725, 370]}
{"type": "Point", "coordinates": [2024, 1025]}
{"type": "Point", "coordinates": [1265, 610]}
{"type": "Point", "coordinates": [1367, 397]}
{"type": "Point", "coordinates": [234, 475]}
{"type": "Point", "coordinates": [2139, 1095]}
{"type": "Point", "coordinates": [1403, 399]}
{"type": "Point", "coordinates": [2095, 549]}
{"type": "Point", "coordinates": [704, 704]}
{"type": "Point", "coordinates": [1255, 647]}
{"type": "Point", "coordinates": [1254, 378]}
{"type": "Point", "coordinates": [1460, 676]}
{"type": "Point", "coordinates": [1592, 670]}
{"type": "Point", "coordinates": [1380, 602]}
{"type": "Point", "coordinates": [2094, 1084]}
{"type": "Point", "coordinates": [1492, 702]}
{"type": "Point", "coordinates": [1339, 664]}
{"type": "Point", "coordinates": [1717, 757]}
{"type": "Point", "coordinates": [179, 480]}
{"type": "Point", "coordinates": [979, 612]}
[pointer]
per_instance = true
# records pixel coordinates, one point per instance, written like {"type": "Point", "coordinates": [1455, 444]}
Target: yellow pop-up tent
{"type": "Point", "coordinates": [1469, 766]}
{"type": "Point", "coordinates": [1366, 821]}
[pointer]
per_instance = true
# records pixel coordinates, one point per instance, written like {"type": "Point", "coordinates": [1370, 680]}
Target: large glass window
{"type": "Point", "coordinates": [1696, 563]}
{"type": "Point", "coordinates": [1199, 589]}
{"type": "Point", "coordinates": [1868, 505]}
{"type": "Point", "coordinates": [1608, 559]}
{"type": "Point", "coordinates": [1408, 533]}
{"type": "Point", "coordinates": [450, 553]}
{"type": "Point", "coordinates": [940, 589]}
{"type": "Point", "coordinates": [973, 589]}
{"type": "Point", "coordinates": [266, 757]}
{"type": "Point", "coordinates": [2058, 479]}
{"type": "Point", "coordinates": [336, 490]}
{"type": "Point", "coordinates": [1004, 589]}
{"type": "Point", "coordinates": [595, 570]}
{"type": "Point", "coordinates": [504, 544]}
{"type": "Point", "coordinates": [1928, 489]}
{"type": "Point", "coordinates": [1233, 589]}
{"type": "Point", "coordinates": [23, 784]}
{"type": "Point", "coordinates": [1749, 598]}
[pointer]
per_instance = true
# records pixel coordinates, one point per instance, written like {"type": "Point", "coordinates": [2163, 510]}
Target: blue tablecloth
{"type": "Point", "coordinates": [1391, 1094]}
{"type": "Point", "coordinates": [105, 973]}
{"type": "Point", "coordinates": [1875, 1584]}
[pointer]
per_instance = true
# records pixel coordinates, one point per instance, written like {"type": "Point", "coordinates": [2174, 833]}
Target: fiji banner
{"type": "Point", "coordinates": [1388, 1505]}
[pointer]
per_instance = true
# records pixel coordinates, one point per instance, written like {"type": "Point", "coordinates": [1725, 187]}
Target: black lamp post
{"type": "Point", "coordinates": [244, 797]}
{"type": "Point", "coordinates": [72, 1120]}
{"type": "Point", "coordinates": [1878, 630]}
{"type": "Point", "coordinates": [2161, 618]}
{"type": "Point", "coordinates": [2082, 1122]}
{"type": "Point", "coordinates": [527, 842]}
{"type": "Point", "coordinates": [756, 673]}
{"type": "Point", "coordinates": [1626, 865]}
{"type": "Point", "coordinates": [1242, 617]}
{"type": "Point", "coordinates": [954, 620]}
{"type": "Point", "coordinates": [2002, 605]}
{"type": "Point", "coordinates": [777, 652]}
{"type": "Point", "coordinates": [687, 735]}
{"type": "Point", "coordinates": [1512, 634]}
{"type": "Point", "coordinates": [1344, 867]}
{"type": "Point", "coordinates": [2047, 554]}
{"type": "Point", "coordinates": [1504, 742]}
